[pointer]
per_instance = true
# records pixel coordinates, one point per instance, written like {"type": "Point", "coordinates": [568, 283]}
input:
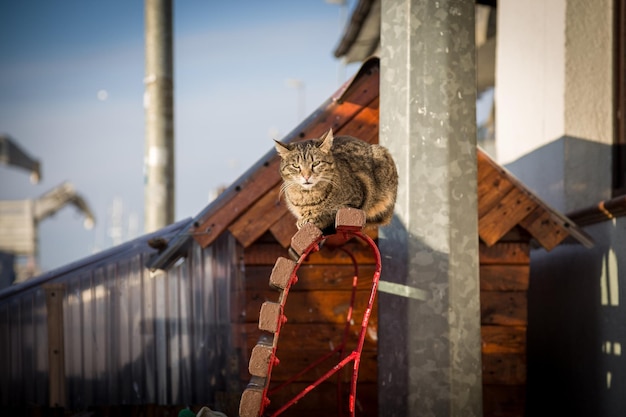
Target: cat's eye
{"type": "Point", "coordinates": [316, 163]}
{"type": "Point", "coordinates": [296, 166]}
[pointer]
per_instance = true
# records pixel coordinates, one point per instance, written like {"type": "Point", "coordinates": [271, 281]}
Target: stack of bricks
{"type": "Point", "coordinates": [271, 318]}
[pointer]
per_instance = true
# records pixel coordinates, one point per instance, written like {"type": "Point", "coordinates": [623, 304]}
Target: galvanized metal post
{"type": "Point", "coordinates": [159, 113]}
{"type": "Point", "coordinates": [429, 308]}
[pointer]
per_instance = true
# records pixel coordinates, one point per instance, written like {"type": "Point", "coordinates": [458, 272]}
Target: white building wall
{"type": "Point", "coordinates": [530, 76]}
{"type": "Point", "coordinates": [589, 70]}
{"type": "Point", "coordinates": [554, 131]}
{"type": "Point", "coordinates": [554, 97]}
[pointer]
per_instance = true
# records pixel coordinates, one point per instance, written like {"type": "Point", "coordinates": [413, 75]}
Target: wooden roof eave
{"type": "Point", "coordinates": [350, 99]}
{"type": "Point", "coordinates": [516, 205]}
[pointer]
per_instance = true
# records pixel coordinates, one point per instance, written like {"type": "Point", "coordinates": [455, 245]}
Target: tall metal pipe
{"type": "Point", "coordinates": [430, 347]}
{"type": "Point", "coordinates": [159, 116]}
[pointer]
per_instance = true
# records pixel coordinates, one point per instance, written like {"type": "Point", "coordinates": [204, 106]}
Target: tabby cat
{"type": "Point", "coordinates": [320, 176]}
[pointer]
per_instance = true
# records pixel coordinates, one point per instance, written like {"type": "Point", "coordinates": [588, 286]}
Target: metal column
{"type": "Point", "coordinates": [159, 113]}
{"type": "Point", "coordinates": [429, 307]}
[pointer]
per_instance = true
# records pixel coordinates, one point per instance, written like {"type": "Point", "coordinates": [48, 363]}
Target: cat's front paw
{"type": "Point", "coordinates": [325, 226]}
{"type": "Point", "coordinates": [300, 223]}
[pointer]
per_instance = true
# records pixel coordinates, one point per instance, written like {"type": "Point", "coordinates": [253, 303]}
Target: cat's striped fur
{"type": "Point", "coordinates": [320, 176]}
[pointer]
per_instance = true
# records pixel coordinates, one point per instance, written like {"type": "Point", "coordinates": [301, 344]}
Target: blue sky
{"type": "Point", "coordinates": [232, 60]}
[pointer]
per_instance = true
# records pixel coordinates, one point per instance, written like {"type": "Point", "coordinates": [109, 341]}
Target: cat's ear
{"type": "Point", "coordinates": [282, 149]}
{"type": "Point", "coordinates": [326, 141]}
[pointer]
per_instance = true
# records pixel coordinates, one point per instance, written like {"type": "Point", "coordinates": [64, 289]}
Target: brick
{"type": "Point", "coordinates": [349, 219]}
{"type": "Point", "coordinates": [250, 404]}
{"type": "Point", "coordinates": [304, 237]}
{"type": "Point", "coordinates": [270, 316]}
{"type": "Point", "coordinates": [281, 273]}
{"type": "Point", "coordinates": [260, 360]}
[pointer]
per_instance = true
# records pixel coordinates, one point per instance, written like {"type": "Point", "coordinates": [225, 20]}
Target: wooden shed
{"type": "Point", "coordinates": [511, 219]}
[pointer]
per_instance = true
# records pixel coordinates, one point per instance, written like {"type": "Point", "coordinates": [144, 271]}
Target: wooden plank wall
{"type": "Point", "coordinates": [316, 313]}
{"type": "Point", "coordinates": [504, 277]}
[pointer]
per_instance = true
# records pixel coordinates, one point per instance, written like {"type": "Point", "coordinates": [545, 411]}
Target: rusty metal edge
{"type": "Point", "coordinates": [603, 211]}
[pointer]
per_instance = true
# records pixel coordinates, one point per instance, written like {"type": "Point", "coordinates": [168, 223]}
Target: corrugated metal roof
{"type": "Point", "coordinates": [130, 336]}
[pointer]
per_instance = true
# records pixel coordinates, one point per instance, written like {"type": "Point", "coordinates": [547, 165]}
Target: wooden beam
{"type": "Point", "coordinates": [509, 253]}
{"type": "Point", "coordinates": [504, 369]}
{"type": "Point", "coordinates": [284, 228]}
{"type": "Point", "coordinates": [506, 308]}
{"type": "Point", "coordinates": [503, 339]}
{"type": "Point", "coordinates": [365, 124]}
{"type": "Point", "coordinates": [484, 165]}
{"type": "Point", "coordinates": [305, 307]}
{"type": "Point", "coordinates": [312, 277]}
{"type": "Point", "coordinates": [266, 254]}
{"type": "Point", "coordinates": [491, 189]}
{"type": "Point", "coordinates": [509, 211]}
{"type": "Point", "coordinates": [316, 336]}
{"type": "Point", "coordinates": [258, 218]}
{"type": "Point", "coordinates": [542, 227]}
{"type": "Point", "coordinates": [504, 277]}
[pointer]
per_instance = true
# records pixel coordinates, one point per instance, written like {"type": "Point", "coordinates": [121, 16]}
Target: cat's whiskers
{"type": "Point", "coordinates": [285, 186]}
